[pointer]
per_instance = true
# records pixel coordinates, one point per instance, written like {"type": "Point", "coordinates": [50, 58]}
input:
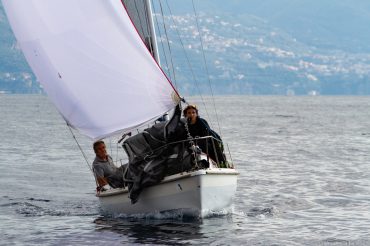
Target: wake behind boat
{"type": "Point", "coordinates": [98, 62]}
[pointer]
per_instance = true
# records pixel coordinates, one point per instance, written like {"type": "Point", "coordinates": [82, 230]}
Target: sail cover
{"type": "Point", "coordinates": [92, 63]}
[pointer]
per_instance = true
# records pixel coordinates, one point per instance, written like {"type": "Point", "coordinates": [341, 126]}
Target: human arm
{"type": "Point", "coordinates": [204, 127]}
{"type": "Point", "coordinates": [208, 131]}
{"type": "Point", "coordinates": [101, 181]}
{"type": "Point", "coordinates": [99, 175]}
{"type": "Point", "coordinates": [173, 127]}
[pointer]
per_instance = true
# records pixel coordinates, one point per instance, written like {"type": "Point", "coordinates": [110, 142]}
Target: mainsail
{"type": "Point", "coordinates": [92, 63]}
{"type": "Point", "coordinates": [141, 15]}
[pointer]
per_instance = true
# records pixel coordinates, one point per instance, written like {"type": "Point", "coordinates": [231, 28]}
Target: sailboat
{"type": "Point", "coordinates": [102, 72]}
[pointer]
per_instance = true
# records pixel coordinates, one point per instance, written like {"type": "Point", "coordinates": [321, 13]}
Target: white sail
{"type": "Point", "coordinates": [92, 63]}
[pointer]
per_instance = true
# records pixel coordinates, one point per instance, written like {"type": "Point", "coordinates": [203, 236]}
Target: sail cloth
{"type": "Point", "coordinates": [92, 63]}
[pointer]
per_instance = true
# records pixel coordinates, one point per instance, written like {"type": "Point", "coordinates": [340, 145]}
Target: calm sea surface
{"type": "Point", "coordinates": [304, 179]}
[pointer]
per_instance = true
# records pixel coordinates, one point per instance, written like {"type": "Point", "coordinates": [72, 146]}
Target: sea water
{"type": "Point", "coordinates": [304, 178]}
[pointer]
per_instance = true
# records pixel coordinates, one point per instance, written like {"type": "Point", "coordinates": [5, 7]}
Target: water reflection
{"type": "Point", "coordinates": [143, 230]}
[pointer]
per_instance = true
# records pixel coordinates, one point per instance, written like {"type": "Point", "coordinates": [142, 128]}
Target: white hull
{"type": "Point", "coordinates": [197, 193]}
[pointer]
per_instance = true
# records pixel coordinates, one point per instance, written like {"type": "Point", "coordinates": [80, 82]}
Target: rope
{"type": "Point", "coordinates": [206, 66]}
{"type": "Point", "coordinates": [117, 153]}
{"type": "Point", "coordinates": [169, 46]}
{"type": "Point", "coordinates": [188, 60]}
{"type": "Point", "coordinates": [83, 154]}
{"type": "Point", "coordinates": [110, 147]}
{"type": "Point", "coordinates": [162, 45]}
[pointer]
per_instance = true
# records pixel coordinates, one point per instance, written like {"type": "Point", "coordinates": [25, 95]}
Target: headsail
{"type": "Point", "coordinates": [92, 63]}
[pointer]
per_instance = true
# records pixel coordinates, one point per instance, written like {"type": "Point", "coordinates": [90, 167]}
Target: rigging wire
{"type": "Point", "coordinates": [187, 58]}
{"type": "Point", "coordinates": [171, 66]}
{"type": "Point", "coordinates": [162, 45]}
{"type": "Point", "coordinates": [206, 66]}
{"type": "Point", "coordinates": [79, 146]}
{"type": "Point", "coordinates": [83, 154]}
{"type": "Point", "coordinates": [168, 44]}
{"type": "Point", "coordinates": [110, 147]}
{"type": "Point", "coordinates": [117, 146]}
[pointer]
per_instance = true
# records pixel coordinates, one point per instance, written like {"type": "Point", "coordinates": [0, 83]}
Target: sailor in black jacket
{"type": "Point", "coordinates": [199, 127]}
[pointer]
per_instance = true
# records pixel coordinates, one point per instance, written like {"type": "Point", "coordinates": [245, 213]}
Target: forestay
{"type": "Point", "coordinates": [92, 63]}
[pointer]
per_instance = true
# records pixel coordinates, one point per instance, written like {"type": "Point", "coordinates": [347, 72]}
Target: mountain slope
{"type": "Point", "coordinates": [251, 47]}
{"type": "Point", "coordinates": [15, 74]}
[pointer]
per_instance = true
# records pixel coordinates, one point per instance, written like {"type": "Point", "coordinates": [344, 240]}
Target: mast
{"type": "Point", "coordinates": [152, 30]}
